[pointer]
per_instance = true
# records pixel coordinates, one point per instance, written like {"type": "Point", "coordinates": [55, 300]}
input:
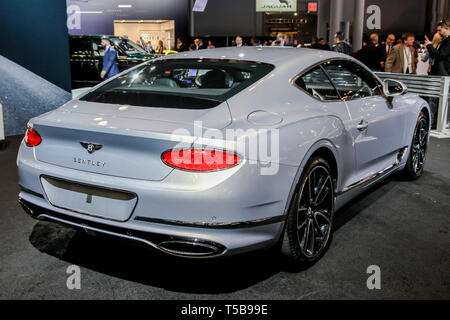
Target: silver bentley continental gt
{"type": "Point", "coordinates": [222, 151]}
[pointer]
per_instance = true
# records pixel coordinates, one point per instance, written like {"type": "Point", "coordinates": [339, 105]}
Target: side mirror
{"type": "Point", "coordinates": [394, 88]}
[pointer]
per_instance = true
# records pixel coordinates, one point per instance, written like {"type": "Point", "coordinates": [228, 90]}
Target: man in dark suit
{"type": "Point", "coordinates": [324, 45]}
{"type": "Point", "coordinates": [372, 55]}
{"type": "Point", "coordinates": [315, 44]}
{"type": "Point", "coordinates": [441, 54]}
{"type": "Point", "coordinates": [110, 68]}
{"type": "Point", "coordinates": [388, 45]}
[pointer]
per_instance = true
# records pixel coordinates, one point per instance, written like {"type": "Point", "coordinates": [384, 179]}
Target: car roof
{"type": "Point", "coordinates": [277, 56]}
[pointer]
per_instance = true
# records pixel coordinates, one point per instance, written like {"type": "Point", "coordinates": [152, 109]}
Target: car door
{"type": "Point", "coordinates": [317, 84]}
{"type": "Point", "coordinates": [376, 127]}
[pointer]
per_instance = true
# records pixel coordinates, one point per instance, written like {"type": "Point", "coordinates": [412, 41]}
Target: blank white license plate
{"type": "Point", "coordinates": [90, 200]}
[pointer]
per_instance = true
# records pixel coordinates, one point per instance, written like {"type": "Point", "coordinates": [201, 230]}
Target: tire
{"type": "Point", "coordinates": [418, 149]}
{"type": "Point", "coordinates": [307, 233]}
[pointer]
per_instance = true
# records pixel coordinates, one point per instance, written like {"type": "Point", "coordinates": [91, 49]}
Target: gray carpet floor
{"type": "Point", "coordinates": [402, 227]}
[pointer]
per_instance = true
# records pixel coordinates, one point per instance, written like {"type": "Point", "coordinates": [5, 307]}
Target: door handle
{"type": "Point", "coordinates": [362, 125]}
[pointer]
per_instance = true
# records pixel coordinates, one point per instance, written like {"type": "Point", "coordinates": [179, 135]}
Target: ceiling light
{"type": "Point", "coordinates": [88, 11]}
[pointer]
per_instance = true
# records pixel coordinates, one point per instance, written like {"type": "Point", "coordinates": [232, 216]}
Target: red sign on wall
{"type": "Point", "coordinates": [312, 6]}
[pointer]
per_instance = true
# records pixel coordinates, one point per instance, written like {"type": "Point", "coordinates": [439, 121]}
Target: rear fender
{"type": "Point", "coordinates": [333, 137]}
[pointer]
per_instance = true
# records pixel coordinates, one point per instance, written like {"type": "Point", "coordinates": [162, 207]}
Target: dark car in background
{"type": "Point", "coordinates": [86, 57]}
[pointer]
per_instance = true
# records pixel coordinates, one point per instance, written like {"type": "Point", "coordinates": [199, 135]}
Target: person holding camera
{"type": "Point", "coordinates": [441, 53]}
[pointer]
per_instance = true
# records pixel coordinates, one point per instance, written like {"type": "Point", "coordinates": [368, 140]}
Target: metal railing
{"type": "Point", "coordinates": [430, 87]}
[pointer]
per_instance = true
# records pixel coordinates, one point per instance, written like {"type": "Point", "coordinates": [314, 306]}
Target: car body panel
{"type": "Point", "coordinates": [377, 146]}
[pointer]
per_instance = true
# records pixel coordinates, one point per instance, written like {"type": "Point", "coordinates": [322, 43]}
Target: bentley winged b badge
{"type": "Point", "coordinates": [91, 147]}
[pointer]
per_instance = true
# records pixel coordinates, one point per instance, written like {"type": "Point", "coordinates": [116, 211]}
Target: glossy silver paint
{"type": "Point", "coordinates": [238, 207]}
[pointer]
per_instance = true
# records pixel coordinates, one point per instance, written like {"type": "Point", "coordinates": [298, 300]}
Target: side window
{"type": "Point", "coordinates": [351, 80]}
{"type": "Point", "coordinates": [97, 48]}
{"type": "Point", "coordinates": [317, 84]}
{"type": "Point", "coordinates": [80, 46]}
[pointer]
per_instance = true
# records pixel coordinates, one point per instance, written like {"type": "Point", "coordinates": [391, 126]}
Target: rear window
{"type": "Point", "coordinates": [180, 83]}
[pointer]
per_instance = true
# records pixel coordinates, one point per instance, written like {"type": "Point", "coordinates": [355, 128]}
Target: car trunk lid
{"type": "Point", "coordinates": [127, 141]}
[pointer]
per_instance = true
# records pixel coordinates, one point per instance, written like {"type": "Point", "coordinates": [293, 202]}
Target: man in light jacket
{"type": "Point", "coordinates": [403, 57]}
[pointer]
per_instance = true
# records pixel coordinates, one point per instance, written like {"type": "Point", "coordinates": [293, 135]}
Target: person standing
{"type": "Point", "coordinates": [160, 47]}
{"type": "Point", "coordinates": [324, 45]}
{"type": "Point", "coordinates": [109, 68]}
{"type": "Point", "coordinates": [181, 45]}
{"type": "Point", "coordinates": [210, 45]}
{"type": "Point", "coordinates": [199, 44]}
{"type": "Point", "coordinates": [427, 59]}
{"type": "Point", "coordinates": [255, 42]}
{"type": "Point", "coordinates": [403, 57]}
{"type": "Point", "coordinates": [286, 41]}
{"type": "Point", "coordinates": [148, 47]}
{"type": "Point", "coordinates": [387, 46]}
{"type": "Point", "coordinates": [441, 54]}
{"type": "Point", "coordinates": [423, 63]}
{"type": "Point", "coordinates": [340, 45]}
{"type": "Point", "coordinates": [315, 44]}
{"type": "Point", "coordinates": [279, 41]}
{"type": "Point", "coordinates": [202, 45]}
{"type": "Point", "coordinates": [372, 55]}
{"type": "Point", "coordinates": [436, 40]}
{"type": "Point", "coordinates": [124, 42]}
{"type": "Point", "coordinates": [239, 42]}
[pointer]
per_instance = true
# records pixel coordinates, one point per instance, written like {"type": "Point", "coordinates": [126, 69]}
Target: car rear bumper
{"type": "Point", "coordinates": [171, 238]}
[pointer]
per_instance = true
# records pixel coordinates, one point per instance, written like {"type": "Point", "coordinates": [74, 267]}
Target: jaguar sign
{"type": "Point", "coordinates": [276, 5]}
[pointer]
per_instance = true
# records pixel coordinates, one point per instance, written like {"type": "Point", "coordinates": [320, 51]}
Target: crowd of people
{"type": "Point", "coordinates": [147, 46]}
{"type": "Point", "coordinates": [408, 55]}
{"type": "Point", "coordinates": [403, 55]}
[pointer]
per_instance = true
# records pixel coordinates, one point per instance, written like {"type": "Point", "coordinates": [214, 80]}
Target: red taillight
{"type": "Point", "coordinates": [32, 138]}
{"type": "Point", "coordinates": [200, 159]}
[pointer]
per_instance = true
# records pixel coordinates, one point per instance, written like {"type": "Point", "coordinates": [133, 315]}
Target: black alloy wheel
{"type": "Point", "coordinates": [419, 145]}
{"type": "Point", "coordinates": [308, 229]}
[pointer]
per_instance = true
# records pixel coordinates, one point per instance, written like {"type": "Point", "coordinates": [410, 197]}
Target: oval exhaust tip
{"type": "Point", "coordinates": [189, 248]}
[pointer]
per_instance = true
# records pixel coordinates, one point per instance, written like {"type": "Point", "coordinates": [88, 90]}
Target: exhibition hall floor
{"type": "Point", "coordinates": [402, 227]}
